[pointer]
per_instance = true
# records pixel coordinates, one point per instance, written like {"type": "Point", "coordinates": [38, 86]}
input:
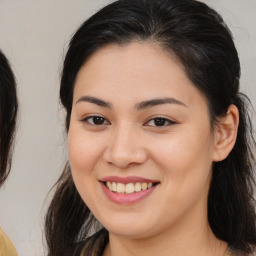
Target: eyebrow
{"type": "Point", "coordinates": [94, 100]}
{"type": "Point", "coordinates": [139, 106]}
{"type": "Point", "coordinates": [159, 101]}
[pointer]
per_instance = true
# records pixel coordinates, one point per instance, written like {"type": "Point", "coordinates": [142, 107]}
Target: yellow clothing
{"type": "Point", "coordinates": [6, 246]}
{"type": "Point", "coordinates": [228, 253]}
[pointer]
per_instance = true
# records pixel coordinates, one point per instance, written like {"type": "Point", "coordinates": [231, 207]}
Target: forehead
{"type": "Point", "coordinates": [134, 71]}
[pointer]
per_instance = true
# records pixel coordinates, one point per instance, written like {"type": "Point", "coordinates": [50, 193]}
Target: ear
{"type": "Point", "coordinates": [225, 134]}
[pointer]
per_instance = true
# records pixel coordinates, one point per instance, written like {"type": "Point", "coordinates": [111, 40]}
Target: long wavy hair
{"type": "Point", "coordinates": [200, 39]}
{"type": "Point", "coordinates": [8, 114]}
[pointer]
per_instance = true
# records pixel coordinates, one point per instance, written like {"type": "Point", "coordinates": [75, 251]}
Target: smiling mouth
{"type": "Point", "coordinates": [129, 188]}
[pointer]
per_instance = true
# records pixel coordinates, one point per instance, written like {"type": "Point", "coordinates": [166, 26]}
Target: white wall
{"type": "Point", "coordinates": [34, 35]}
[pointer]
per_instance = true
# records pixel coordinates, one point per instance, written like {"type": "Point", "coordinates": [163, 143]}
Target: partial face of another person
{"type": "Point", "coordinates": [140, 141]}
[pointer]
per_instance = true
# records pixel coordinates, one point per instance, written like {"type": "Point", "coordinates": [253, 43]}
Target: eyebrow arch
{"type": "Point", "coordinates": [94, 100]}
{"type": "Point", "coordinates": [159, 101]}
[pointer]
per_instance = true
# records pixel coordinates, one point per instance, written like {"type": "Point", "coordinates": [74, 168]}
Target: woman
{"type": "Point", "coordinates": [8, 113]}
{"type": "Point", "coordinates": [160, 142]}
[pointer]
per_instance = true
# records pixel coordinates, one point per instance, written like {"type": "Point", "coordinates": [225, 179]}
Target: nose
{"type": "Point", "coordinates": [125, 148]}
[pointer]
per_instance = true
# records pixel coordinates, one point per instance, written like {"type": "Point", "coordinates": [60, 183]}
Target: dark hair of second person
{"type": "Point", "coordinates": [8, 114]}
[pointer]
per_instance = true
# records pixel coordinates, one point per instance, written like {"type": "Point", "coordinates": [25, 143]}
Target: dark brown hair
{"type": "Point", "coordinates": [197, 35]}
{"type": "Point", "coordinates": [8, 113]}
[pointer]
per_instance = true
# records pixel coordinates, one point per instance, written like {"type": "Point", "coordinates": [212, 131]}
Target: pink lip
{"type": "Point", "coordinates": [126, 180]}
{"type": "Point", "coordinates": [126, 198]}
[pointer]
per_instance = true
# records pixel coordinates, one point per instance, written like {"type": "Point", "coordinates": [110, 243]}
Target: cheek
{"type": "Point", "coordinates": [84, 150]}
{"type": "Point", "coordinates": [184, 156]}
{"type": "Point", "coordinates": [185, 164]}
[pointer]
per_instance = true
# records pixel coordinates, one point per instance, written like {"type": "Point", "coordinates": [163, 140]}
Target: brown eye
{"type": "Point", "coordinates": [96, 120]}
{"type": "Point", "coordinates": [159, 121]}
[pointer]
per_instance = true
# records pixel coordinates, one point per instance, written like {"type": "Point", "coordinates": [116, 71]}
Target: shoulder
{"type": "Point", "coordinates": [6, 245]}
{"type": "Point", "coordinates": [93, 245]}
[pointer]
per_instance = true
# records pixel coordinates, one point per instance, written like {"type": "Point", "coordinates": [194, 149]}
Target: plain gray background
{"type": "Point", "coordinates": [34, 35]}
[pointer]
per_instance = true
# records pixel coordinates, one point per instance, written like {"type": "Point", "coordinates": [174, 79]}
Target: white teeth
{"type": "Point", "coordinates": [144, 186]}
{"type": "Point", "coordinates": [137, 187]}
{"type": "Point", "coordinates": [129, 188]}
{"type": "Point", "coordinates": [109, 185]}
{"type": "Point", "coordinates": [120, 188]}
{"type": "Point", "coordinates": [114, 189]}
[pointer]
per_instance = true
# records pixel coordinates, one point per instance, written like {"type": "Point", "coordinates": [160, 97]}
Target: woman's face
{"type": "Point", "coordinates": [140, 127]}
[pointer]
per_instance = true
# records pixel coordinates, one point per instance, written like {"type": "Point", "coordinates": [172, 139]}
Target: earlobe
{"type": "Point", "coordinates": [225, 134]}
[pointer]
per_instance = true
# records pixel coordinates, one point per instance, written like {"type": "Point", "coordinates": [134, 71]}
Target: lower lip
{"type": "Point", "coordinates": [127, 198]}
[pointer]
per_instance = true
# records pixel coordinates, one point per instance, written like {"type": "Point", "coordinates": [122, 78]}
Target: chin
{"type": "Point", "coordinates": [129, 229]}
{"type": "Point", "coordinates": [131, 233]}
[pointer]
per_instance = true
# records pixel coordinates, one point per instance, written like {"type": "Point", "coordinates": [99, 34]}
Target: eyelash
{"type": "Point", "coordinates": [103, 121]}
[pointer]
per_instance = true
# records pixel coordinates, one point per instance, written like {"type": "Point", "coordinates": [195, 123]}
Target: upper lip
{"type": "Point", "coordinates": [128, 179]}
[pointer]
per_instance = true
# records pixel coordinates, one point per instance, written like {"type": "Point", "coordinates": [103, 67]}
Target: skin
{"type": "Point", "coordinates": [172, 220]}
